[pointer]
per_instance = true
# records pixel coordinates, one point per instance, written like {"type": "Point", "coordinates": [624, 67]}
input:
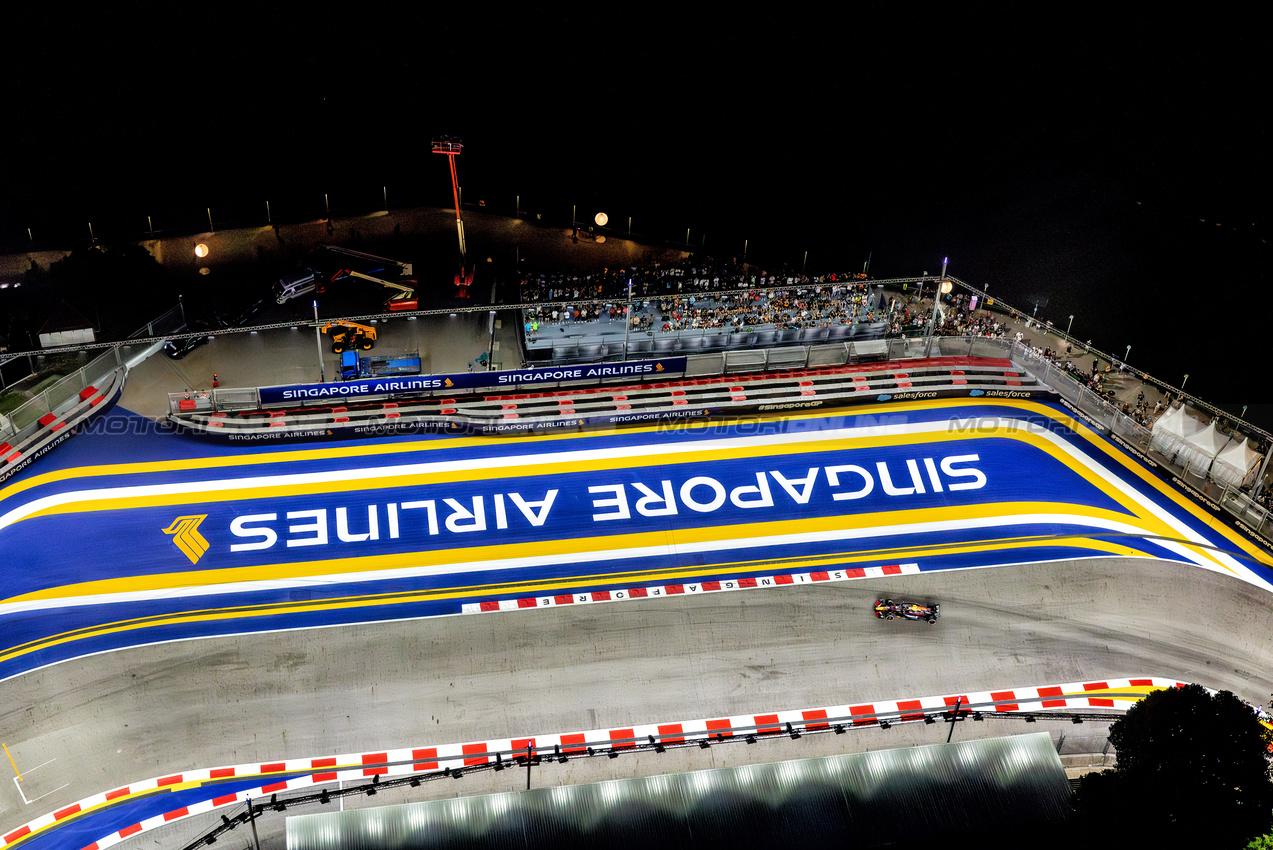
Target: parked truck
{"type": "Point", "coordinates": [354, 365]}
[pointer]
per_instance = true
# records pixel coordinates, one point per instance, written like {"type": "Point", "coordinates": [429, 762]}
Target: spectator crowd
{"type": "Point", "coordinates": [701, 294]}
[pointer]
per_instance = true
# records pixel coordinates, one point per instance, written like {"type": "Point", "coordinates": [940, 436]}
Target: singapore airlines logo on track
{"type": "Point", "coordinates": [186, 536]}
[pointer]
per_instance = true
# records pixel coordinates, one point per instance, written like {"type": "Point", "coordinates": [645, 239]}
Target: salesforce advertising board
{"type": "Point", "coordinates": [368, 387]}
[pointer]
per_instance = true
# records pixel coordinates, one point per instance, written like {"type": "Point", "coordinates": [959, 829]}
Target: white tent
{"type": "Point", "coordinates": [1172, 429]}
{"type": "Point", "coordinates": [1201, 448]}
{"type": "Point", "coordinates": [1237, 465]}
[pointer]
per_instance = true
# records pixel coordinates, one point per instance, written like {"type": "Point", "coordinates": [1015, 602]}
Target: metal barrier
{"type": "Point", "coordinates": [741, 362]}
{"type": "Point", "coordinates": [595, 347]}
{"type": "Point", "coordinates": [787, 358]}
{"type": "Point", "coordinates": [172, 321]}
{"type": "Point", "coordinates": [716, 364]}
{"type": "Point", "coordinates": [191, 401]}
{"type": "Point", "coordinates": [1114, 421]}
{"type": "Point", "coordinates": [1255, 517]}
{"type": "Point", "coordinates": [25, 420]}
{"type": "Point", "coordinates": [231, 398]}
{"type": "Point", "coordinates": [705, 365]}
{"type": "Point", "coordinates": [829, 355]}
{"type": "Point", "coordinates": [1064, 337]}
{"type": "Point", "coordinates": [14, 368]}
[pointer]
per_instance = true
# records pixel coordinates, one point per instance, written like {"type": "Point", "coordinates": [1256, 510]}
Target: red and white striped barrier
{"type": "Point", "coordinates": [1111, 694]}
{"type": "Point", "coordinates": [688, 588]}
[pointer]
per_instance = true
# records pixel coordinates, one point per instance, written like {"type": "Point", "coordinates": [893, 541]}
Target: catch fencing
{"type": "Point", "coordinates": [25, 420]}
{"type": "Point", "coordinates": [1113, 421]}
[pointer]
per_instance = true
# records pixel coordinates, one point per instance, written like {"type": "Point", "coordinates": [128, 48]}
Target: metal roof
{"type": "Point", "coordinates": [865, 799]}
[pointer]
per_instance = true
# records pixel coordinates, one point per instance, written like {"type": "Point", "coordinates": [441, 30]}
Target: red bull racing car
{"type": "Point", "coordinates": [887, 609]}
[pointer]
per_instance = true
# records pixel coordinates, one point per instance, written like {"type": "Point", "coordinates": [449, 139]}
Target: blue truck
{"type": "Point", "coordinates": [356, 364]}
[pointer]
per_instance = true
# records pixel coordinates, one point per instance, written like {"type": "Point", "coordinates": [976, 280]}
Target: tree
{"type": "Point", "coordinates": [1190, 763]}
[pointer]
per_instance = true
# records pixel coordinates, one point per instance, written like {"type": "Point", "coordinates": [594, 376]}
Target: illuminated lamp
{"type": "Point", "coordinates": [601, 219]}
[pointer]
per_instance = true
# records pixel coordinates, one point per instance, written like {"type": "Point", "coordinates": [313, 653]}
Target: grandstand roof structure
{"type": "Point", "coordinates": [896, 797]}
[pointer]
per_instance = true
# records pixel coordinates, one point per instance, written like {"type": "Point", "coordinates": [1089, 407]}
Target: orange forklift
{"type": "Point", "coordinates": [349, 335]}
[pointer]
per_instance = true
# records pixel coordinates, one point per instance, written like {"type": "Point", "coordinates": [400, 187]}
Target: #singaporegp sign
{"type": "Point", "coordinates": [391, 385]}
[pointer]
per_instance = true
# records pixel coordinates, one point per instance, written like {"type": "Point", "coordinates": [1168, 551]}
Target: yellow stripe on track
{"type": "Point", "coordinates": [1131, 693]}
{"type": "Point", "coordinates": [549, 444]}
{"type": "Point", "coordinates": [593, 465]}
{"type": "Point", "coordinates": [494, 554]}
{"type": "Point", "coordinates": [527, 588]}
{"type": "Point", "coordinates": [429, 446]}
{"type": "Point", "coordinates": [500, 469]}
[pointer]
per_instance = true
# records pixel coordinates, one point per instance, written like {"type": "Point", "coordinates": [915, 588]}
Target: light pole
{"type": "Point", "coordinates": [954, 715]}
{"type": "Point", "coordinates": [627, 320]}
{"type": "Point", "coordinates": [318, 338]}
{"type": "Point", "coordinates": [490, 352]}
{"type": "Point", "coordinates": [1259, 478]}
{"type": "Point", "coordinates": [942, 288]}
{"type": "Point", "coordinates": [252, 818]}
{"type": "Point", "coordinates": [1070, 325]}
{"type": "Point", "coordinates": [1182, 383]}
{"type": "Point", "coordinates": [1125, 353]}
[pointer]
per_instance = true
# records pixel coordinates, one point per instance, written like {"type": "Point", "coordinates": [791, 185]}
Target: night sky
{"type": "Point", "coordinates": [1112, 167]}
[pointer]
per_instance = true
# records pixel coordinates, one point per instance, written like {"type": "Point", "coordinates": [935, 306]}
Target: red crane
{"type": "Point", "coordinates": [450, 147]}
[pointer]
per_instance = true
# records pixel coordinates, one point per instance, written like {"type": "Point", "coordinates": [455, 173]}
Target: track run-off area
{"type": "Point", "coordinates": [221, 541]}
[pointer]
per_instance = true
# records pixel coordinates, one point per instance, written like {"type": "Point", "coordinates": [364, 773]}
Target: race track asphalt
{"type": "Point", "coordinates": [126, 553]}
{"type": "Point", "coordinates": [1113, 573]}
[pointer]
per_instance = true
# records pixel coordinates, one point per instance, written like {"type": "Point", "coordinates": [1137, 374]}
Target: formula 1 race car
{"type": "Point", "coordinates": [887, 609]}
